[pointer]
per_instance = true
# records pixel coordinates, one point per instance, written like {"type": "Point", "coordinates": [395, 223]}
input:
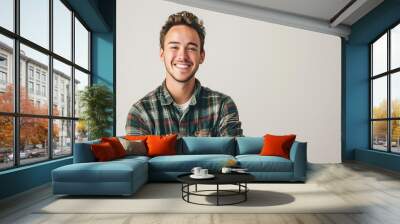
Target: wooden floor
{"type": "Point", "coordinates": [354, 182]}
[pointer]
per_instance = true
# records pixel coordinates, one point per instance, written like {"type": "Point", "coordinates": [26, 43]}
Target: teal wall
{"type": "Point", "coordinates": [357, 99]}
{"type": "Point", "coordinates": [103, 63]}
{"type": "Point", "coordinates": [381, 159]}
{"type": "Point", "coordinates": [102, 59]}
{"type": "Point", "coordinates": [24, 178]}
{"type": "Point", "coordinates": [99, 15]}
{"type": "Point", "coordinates": [356, 85]}
{"type": "Point", "coordinates": [103, 51]}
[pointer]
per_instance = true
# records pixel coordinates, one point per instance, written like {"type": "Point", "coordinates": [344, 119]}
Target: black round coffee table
{"type": "Point", "coordinates": [238, 179]}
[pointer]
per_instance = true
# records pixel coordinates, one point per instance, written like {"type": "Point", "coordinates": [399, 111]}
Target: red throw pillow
{"type": "Point", "coordinates": [103, 151]}
{"type": "Point", "coordinates": [116, 145]}
{"type": "Point", "coordinates": [161, 145]}
{"type": "Point", "coordinates": [277, 145]}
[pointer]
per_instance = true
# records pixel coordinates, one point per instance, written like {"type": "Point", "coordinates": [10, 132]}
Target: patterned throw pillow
{"type": "Point", "coordinates": [134, 147]}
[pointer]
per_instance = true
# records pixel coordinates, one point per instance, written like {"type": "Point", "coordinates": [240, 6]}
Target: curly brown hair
{"type": "Point", "coordinates": [187, 19]}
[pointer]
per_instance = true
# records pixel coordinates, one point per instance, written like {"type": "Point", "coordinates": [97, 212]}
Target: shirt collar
{"type": "Point", "coordinates": [166, 98]}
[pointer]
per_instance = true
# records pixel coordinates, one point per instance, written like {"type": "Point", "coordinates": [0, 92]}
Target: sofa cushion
{"type": "Point", "coordinates": [208, 145]}
{"type": "Point", "coordinates": [185, 163]}
{"type": "Point", "coordinates": [249, 145]}
{"type": "Point", "coordinates": [111, 171]}
{"type": "Point", "coordinates": [131, 158]}
{"type": "Point", "coordinates": [257, 163]}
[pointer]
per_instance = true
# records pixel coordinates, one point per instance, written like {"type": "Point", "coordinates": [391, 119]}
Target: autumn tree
{"type": "Point", "coordinates": [33, 131]}
{"type": "Point", "coordinates": [380, 127]}
{"type": "Point", "coordinates": [6, 122]}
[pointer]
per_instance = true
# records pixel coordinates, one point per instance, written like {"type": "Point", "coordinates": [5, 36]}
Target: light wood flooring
{"type": "Point", "coordinates": [354, 182]}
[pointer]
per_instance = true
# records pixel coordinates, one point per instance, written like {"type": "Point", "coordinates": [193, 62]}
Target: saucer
{"type": "Point", "coordinates": [208, 176]}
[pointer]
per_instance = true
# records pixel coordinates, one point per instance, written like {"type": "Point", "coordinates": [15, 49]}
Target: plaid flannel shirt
{"type": "Point", "coordinates": [210, 113]}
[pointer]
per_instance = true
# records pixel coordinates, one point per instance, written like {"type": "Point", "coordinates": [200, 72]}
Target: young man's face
{"type": "Point", "coordinates": [182, 55]}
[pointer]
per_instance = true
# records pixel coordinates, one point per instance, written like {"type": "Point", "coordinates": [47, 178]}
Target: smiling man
{"type": "Point", "coordinates": [181, 105]}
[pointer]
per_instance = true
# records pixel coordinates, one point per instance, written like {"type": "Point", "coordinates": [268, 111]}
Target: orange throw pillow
{"type": "Point", "coordinates": [103, 152]}
{"type": "Point", "coordinates": [277, 145]}
{"type": "Point", "coordinates": [116, 145]}
{"type": "Point", "coordinates": [161, 145]}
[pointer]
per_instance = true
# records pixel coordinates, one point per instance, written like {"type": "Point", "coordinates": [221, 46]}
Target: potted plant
{"type": "Point", "coordinates": [96, 102]}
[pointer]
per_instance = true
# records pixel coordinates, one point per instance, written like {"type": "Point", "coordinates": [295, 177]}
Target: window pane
{"type": "Point", "coordinates": [379, 55]}
{"type": "Point", "coordinates": [379, 135]}
{"type": "Point", "coordinates": [81, 131]}
{"type": "Point", "coordinates": [62, 29]}
{"type": "Point", "coordinates": [6, 74]}
{"type": "Point", "coordinates": [395, 47]}
{"type": "Point", "coordinates": [6, 142]}
{"type": "Point", "coordinates": [7, 14]}
{"type": "Point", "coordinates": [395, 136]}
{"type": "Point", "coordinates": [81, 81]}
{"type": "Point", "coordinates": [62, 138]}
{"type": "Point", "coordinates": [33, 140]}
{"type": "Point", "coordinates": [395, 94]}
{"type": "Point", "coordinates": [81, 45]}
{"type": "Point", "coordinates": [34, 78]}
{"type": "Point", "coordinates": [379, 100]}
{"type": "Point", "coordinates": [35, 21]}
{"type": "Point", "coordinates": [62, 89]}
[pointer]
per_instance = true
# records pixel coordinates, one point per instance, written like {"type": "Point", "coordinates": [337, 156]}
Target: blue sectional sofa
{"type": "Point", "coordinates": [125, 176]}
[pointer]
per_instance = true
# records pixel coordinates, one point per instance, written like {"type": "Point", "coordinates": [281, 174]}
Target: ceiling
{"type": "Point", "coordinates": [318, 9]}
{"type": "Point", "coordinates": [326, 16]}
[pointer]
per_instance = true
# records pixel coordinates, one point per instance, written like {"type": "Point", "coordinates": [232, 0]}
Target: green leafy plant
{"type": "Point", "coordinates": [96, 102]}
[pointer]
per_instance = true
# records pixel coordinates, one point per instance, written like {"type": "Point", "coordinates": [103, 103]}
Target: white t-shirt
{"type": "Point", "coordinates": [183, 107]}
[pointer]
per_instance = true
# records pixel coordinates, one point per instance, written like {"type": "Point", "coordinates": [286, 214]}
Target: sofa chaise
{"type": "Point", "coordinates": [125, 176]}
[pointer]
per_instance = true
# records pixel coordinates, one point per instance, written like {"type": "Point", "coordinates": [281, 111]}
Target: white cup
{"type": "Point", "coordinates": [226, 170]}
{"type": "Point", "coordinates": [196, 170]}
{"type": "Point", "coordinates": [203, 172]}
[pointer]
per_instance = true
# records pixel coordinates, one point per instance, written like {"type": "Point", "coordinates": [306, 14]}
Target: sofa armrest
{"type": "Point", "coordinates": [298, 155]}
{"type": "Point", "coordinates": [83, 152]}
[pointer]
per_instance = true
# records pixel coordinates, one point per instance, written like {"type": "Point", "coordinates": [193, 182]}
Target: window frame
{"type": "Point", "coordinates": [3, 74]}
{"type": "Point", "coordinates": [15, 72]}
{"type": "Point", "coordinates": [388, 74]}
